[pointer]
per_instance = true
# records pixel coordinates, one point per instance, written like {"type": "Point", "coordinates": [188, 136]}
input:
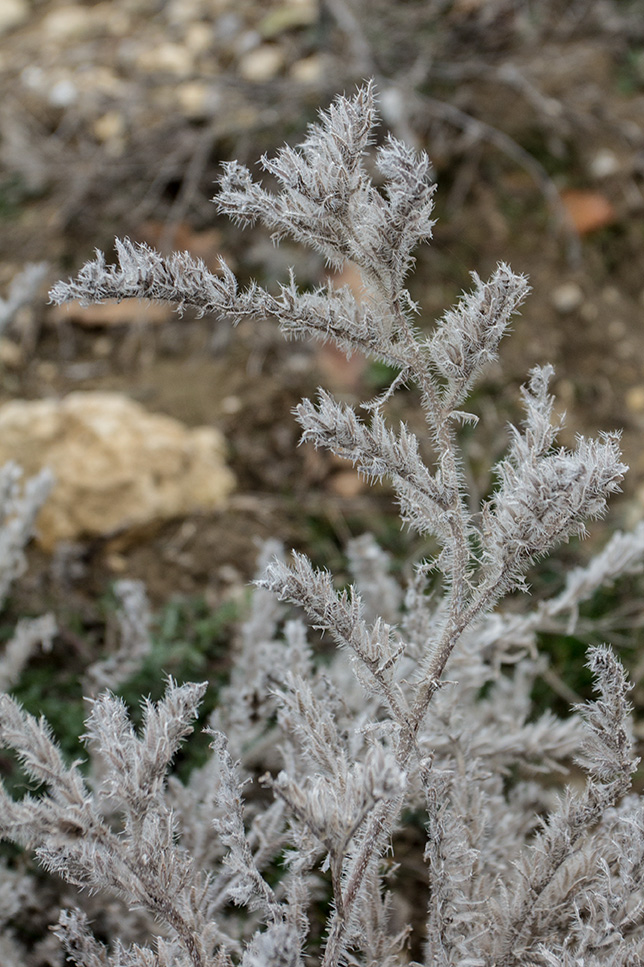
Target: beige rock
{"type": "Point", "coordinates": [166, 58]}
{"type": "Point", "coordinates": [11, 355]}
{"type": "Point", "coordinates": [635, 400]}
{"type": "Point", "coordinates": [109, 126]}
{"type": "Point", "coordinates": [102, 347]}
{"type": "Point", "coordinates": [604, 164]}
{"type": "Point", "coordinates": [63, 92]}
{"type": "Point", "coordinates": [261, 64]}
{"type": "Point", "coordinates": [116, 465]}
{"type": "Point", "coordinates": [309, 70]}
{"type": "Point", "coordinates": [71, 22]}
{"type": "Point", "coordinates": [198, 37]}
{"type": "Point", "coordinates": [13, 13]}
{"type": "Point", "coordinates": [182, 11]}
{"type": "Point", "coordinates": [567, 297]}
{"type": "Point", "coordinates": [195, 98]}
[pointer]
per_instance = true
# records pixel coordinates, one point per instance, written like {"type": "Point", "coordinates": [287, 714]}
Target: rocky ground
{"type": "Point", "coordinates": [113, 121]}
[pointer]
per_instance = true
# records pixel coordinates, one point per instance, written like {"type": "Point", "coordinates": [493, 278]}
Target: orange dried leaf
{"type": "Point", "coordinates": [588, 210]}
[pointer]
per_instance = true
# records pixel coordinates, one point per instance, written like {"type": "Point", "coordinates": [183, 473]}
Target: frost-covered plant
{"type": "Point", "coordinates": [423, 719]}
{"type": "Point", "coordinates": [19, 505]}
{"type": "Point", "coordinates": [135, 643]}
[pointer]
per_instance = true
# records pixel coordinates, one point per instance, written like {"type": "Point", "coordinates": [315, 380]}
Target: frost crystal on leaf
{"type": "Point", "coordinates": [290, 845]}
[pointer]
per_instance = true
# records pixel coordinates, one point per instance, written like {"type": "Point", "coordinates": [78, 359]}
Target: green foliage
{"type": "Point", "coordinates": [190, 641]}
{"type": "Point", "coordinates": [13, 194]}
{"type": "Point", "coordinates": [630, 71]}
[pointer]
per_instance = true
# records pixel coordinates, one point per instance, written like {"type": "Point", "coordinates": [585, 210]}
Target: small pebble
{"type": "Point", "coordinates": [635, 399]}
{"type": "Point", "coordinates": [309, 70]}
{"type": "Point", "coordinates": [109, 126]}
{"type": "Point", "coordinates": [196, 99]}
{"type": "Point", "coordinates": [261, 64]}
{"type": "Point", "coordinates": [231, 405]}
{"type": "Point", "coordinates": [168, 57]}
{"type": "Point", "coordinates": [13, 13]}
{"type": "Point", "coordinates": [604, 164]}
{"type": "Point", "coordinates": [11, 354]}
{"type": "Point", "coordinates": [68, 24]}
{"type": "Point", "coordinates": [567, 297]}
{"type": "Point", "coordinates": [63, 93]}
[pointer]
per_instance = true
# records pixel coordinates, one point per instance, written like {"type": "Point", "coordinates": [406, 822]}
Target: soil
{"type": "Point", "coordinates": [116, 118]}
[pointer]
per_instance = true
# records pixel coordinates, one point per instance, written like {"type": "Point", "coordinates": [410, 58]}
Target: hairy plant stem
{"type": "Point", "coordinates": [378, 829]}
{"type": "Point", "coordinates": [161, 904]}
{"type": "Point", "coordinates": [381, 822]}
{"type": "Point", "coordinates": [456, 625]}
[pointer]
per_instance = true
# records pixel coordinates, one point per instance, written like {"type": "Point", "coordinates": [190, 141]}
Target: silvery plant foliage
{"type": "Point", "coordinates": [294, 844]}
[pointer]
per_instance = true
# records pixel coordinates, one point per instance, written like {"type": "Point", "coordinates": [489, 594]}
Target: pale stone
{"type": "Point", "coordinates": [567, 297]}
{"type": "Point", "coordinates": [261, 64]}
{"type": "Point", "coordinates": [309, 70]}
{"type": "Point", "coordinates": [68, 23]}
{"type": "Point", "coordinates": [13, 13]}
{"type": "Point", "coordinates": [604, 164]}
{"type": "Point", "coordinates": [116, 563]}
{"type": "Point", "coordinates": [63, 93]}
{"type": "Point", "coordinates": [168, 57]}
{"type": "Point", "coordinates": [195, 99]}
{"type": "Point", "coordinates": [109, 126]}
{"type": "Point", "coordinates": [115, 464]}
{"type": "Point", "coordinates": [11, 355]}
{"type": "Point", "coordinates": [102, 347]}
{"type": "Point", "coordinates": [198, 37]}
{"type": "Point", "coordinates": [183, 11]}
{"type": "Point", "coordinates": [635, 399]}
{"type": "Point", "coordinates": [104, 81]}
{"type": "Point", "coordinates": [231, 405]}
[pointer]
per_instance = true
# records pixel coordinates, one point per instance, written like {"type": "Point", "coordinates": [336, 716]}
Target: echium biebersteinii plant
{"type": "Point", "coordinates": [433, 732]}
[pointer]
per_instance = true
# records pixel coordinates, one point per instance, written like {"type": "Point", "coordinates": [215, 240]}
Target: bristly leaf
{"type": "Point", "coordinates": [467, 337]}
{"type": "Point", "coordinates": [546, 495]}
{"type": "Point", "coordinates": [144, 274]}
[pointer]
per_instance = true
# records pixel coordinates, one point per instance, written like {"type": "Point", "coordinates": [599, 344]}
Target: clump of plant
{"type": "Point", "coordinates": [424, 716]}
